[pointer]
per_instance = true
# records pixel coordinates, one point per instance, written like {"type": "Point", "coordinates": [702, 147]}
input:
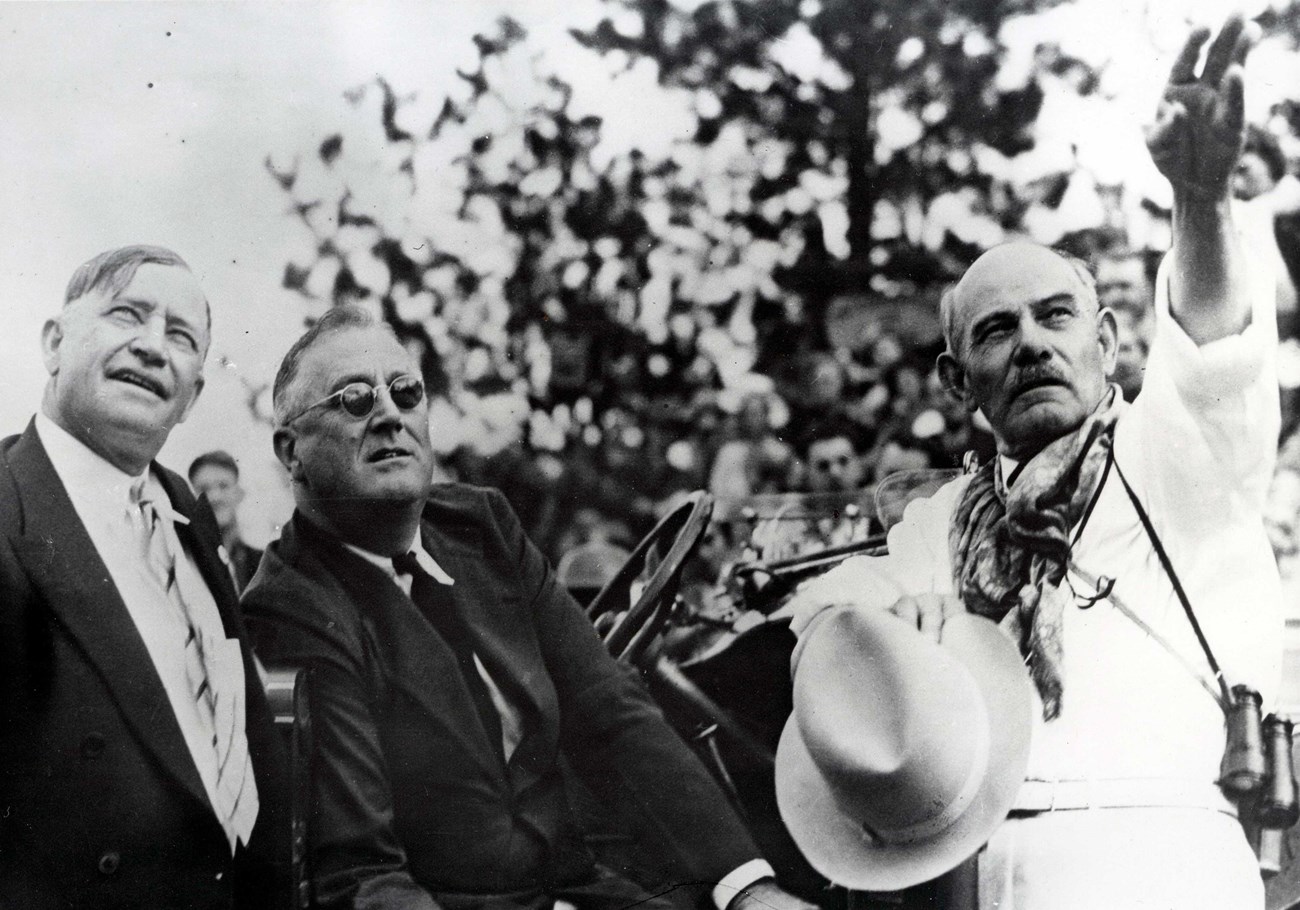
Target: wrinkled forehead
{"type": "Point", "coordinates": [370, 354]}
{"type": "Point", "coordinates": [1009, 277]}
{"type": "Point", "coordinates": [171, 288]}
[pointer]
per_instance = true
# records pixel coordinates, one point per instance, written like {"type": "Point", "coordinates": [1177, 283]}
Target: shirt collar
{"type": "Point", "coordinates": [89, 477]}
{"type": "Point", "coordinates": [422, 557]}
{"type": "Point", "coordinates": [85, 473]}
{"type": "Point", "coordinates": [1006, 468]}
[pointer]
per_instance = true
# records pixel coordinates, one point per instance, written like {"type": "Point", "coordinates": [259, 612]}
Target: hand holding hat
{"type": "Point", "coordinates": [903, 754]}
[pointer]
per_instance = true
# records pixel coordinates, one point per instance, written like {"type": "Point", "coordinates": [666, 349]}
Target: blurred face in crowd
{"type": "Point", "coordinates": [833, 465]}
{"type": "Point", "coordinates": [336, 458]}
{"type": "Point", "coordinates": [895, 458]}
{"type": "Point", "coordinates": [752, 419]}
{"type": "Point", "coordinates": [825, 382]}
{"type": "Point", "coordinates": [221, 486]}
{"type": "Point", "coordinates": [1122, 285]}
{"type": "Point", "coordinates": [1252, 177]}
{"type": "Point", "coordinates": [1028, 346]}
{"type": "Point", "coordinates": [1130, 354]}
{"type": "Point", "coordinates": [126, 367]}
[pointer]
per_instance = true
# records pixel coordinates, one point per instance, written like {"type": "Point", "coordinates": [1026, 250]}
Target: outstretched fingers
{"type": "Point", "coordinates": [1184, 70]}
{"type": "Point", "coordinates": [1224, 49]}
{"type": "Point", "coordinates": [1250, 36]}
{"type": "Point", "coordinates": [1232, 112]}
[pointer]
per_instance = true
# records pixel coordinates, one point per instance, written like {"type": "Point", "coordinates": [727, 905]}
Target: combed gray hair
{"type": "Point", "coordinates": [111, 271]}
{"type": "Point", "coordinates": [336, 319]}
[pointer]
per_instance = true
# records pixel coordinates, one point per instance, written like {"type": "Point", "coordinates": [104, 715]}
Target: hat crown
{"type": "Point", "coordinates": [902, 755]}
{"type": "Point", "coordinates": [895, 723]}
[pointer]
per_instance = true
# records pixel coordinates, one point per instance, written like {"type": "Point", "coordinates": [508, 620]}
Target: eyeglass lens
{"type": "Point", "coordinates": [359, 398]}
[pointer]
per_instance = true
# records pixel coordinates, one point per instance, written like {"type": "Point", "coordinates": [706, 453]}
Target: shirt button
{"type": "Point", "coordinates": [93, 745]}
{"type": "Point", "coordinates": [109, 862]}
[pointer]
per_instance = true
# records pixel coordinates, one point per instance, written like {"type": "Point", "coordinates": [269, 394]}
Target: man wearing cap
{"type": "Point", "coordinates": [452, 672]}
{"type": "Point", "coordinates": [1060, 539]}
{"type": "Point", "coordinates": [138, 762]}
{"type": "Point", "coordinates": [215, 475]}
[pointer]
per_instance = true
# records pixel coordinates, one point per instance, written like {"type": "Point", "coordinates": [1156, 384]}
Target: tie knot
{"type": "Point", "coordinates": [143, 501]}
{"type": "Point", "coordinates": [407, 564]}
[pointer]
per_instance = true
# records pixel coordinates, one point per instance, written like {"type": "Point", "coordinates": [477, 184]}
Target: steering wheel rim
{"type": "Point", "coordinates": [631, 635]}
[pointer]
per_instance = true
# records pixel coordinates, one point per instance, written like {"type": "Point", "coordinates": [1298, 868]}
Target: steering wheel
{"type": "Point", "coordinates": [629, 636]}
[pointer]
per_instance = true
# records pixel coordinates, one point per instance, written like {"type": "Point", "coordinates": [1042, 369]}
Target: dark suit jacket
{"type": "Point", "coordinates": [411, 798]}
{"type": "Point", "coordinates": [103, 806]}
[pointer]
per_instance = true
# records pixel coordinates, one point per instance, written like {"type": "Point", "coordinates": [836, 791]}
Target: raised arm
{"type": "Point", "coordinates": [1195, 142]}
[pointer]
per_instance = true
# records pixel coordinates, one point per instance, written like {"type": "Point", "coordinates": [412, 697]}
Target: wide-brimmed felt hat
{"type": "Point", "coordinates": [902, 754]}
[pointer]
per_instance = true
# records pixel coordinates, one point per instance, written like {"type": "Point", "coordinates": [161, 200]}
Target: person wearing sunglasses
{"type": "Point", "coordinates": [138, 762]}
{"type": "Point", "coordinates": [451, 671]}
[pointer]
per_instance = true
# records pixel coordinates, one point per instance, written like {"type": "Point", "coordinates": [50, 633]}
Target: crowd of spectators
{"type": "Point", "coordinates": [626, 422]}
{"type": "Point", "coordinates": [591, 427]}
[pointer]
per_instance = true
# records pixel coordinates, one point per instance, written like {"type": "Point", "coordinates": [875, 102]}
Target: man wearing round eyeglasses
{"type": "Point", "coordinates": [451, 671]}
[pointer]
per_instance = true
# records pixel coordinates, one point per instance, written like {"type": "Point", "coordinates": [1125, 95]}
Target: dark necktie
{"type": "Point", "coordinates": [450, 625]}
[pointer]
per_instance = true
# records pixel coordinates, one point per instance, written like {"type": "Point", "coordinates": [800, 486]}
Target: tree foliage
{"type": "Point", "coordinates": [835, 145]}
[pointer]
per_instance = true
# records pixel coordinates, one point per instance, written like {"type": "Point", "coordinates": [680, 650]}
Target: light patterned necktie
{"type": "Point", "coordinates": [213, 668]}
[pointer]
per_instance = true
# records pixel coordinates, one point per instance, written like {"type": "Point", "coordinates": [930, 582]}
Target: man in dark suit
{"type": "Point", "coordinates": [451, 671]}
{"type": "Point", "coordinates": [215, 475]}
{"type": "Point", "coordinates": [138, 765]}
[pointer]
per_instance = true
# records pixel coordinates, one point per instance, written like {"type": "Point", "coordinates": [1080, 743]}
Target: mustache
{"type": "Point", "coordinates": [1036, 376]}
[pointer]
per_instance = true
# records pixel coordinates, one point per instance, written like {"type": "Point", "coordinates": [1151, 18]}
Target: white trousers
{"type": "Point", "coordinates": [1120, 859]}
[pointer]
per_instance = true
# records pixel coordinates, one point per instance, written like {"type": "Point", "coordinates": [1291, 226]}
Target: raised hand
{"type": "Point", "coordinates": [1200, 125]}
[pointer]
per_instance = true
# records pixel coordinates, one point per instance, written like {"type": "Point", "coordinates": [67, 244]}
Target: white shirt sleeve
{"type": "Point", "coordinates": [740, 878]}
{"type": "Point", "coordinates": [917, 563]}
{"type": "Point", "coordinates": [1202, 435]}
{"type": "Point", "coordinates": [1198, 446]}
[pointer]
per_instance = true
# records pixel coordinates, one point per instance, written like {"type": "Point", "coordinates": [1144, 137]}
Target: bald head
{"type": "Point", "coordinates": [1027, 345]}
{"type": "Point", "coordinates": [1004, 269]}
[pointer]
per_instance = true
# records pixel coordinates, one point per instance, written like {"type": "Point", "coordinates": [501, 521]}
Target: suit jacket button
{"type": "Point", "coordinates": [93, 745]}
{"type": "Point", "coordinates": [109, 862]}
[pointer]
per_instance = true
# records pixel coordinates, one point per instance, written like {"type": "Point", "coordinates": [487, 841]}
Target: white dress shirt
{"type": "Point", "coordinates": [100, 494]}
{"type": "Point", "coordinates": [511, 720]}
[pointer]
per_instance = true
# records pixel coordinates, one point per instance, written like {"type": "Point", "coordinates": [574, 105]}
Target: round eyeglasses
{"type": "Point", "coordinates": [358, 398]}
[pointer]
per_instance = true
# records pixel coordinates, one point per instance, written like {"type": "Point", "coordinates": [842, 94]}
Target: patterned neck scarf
{"type": "Point", "coordinates": [1009, 557]}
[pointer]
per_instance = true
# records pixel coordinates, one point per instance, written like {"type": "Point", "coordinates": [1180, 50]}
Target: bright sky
{"type": "Point", "coordinates": [149, 122]}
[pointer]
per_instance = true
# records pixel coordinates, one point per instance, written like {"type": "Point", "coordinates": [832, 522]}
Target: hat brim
{"type": "Point", "coordinates": [838, 847]}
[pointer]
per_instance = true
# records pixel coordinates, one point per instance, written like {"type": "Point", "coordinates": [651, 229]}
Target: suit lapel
{"type": "Point", "coordinates": [413, 655]}
{"type": "Point", "coordinates": [503, 639]}
{"type": "Point", "coordinates": [67, 570]}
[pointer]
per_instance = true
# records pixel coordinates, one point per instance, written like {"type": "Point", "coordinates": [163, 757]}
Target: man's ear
{"type": "Point", "coordinates": [1108, 339]}
{"type": "Point", "coordinates": [285, 443]}
{"type": "Point", "coordinates": [954, 379]}
{"type": "Point", "coordinates": [51, 340]}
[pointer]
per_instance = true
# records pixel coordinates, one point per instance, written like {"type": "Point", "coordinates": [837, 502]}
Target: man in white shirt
{"type": "Point", "coordinates": [1120, 807]}
{"type": "Point", "coordinates": [138, 766]}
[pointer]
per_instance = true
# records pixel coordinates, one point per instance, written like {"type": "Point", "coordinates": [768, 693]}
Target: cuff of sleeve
{"type": "Point", "coordinates": [739, 879]}
{"type": "Point", "coordinates": [1229, 364]}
